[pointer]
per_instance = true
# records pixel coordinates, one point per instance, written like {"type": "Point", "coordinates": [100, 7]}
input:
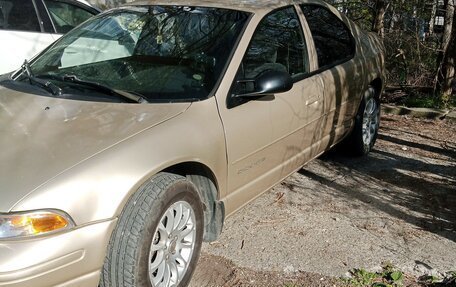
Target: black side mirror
{"type": "Point", "coordinates": [268, 83]}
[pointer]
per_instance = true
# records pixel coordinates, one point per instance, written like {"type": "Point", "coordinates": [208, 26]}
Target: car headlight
{"type": "Point", "coordinates": [26, 224]}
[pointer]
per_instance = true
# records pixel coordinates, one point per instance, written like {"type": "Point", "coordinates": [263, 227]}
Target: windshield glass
{"type": "Point", "coordinates": [161, 52]}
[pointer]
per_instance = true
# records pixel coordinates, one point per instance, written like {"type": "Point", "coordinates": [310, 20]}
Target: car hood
{"type": "Point", "coordinates": [43, 136]}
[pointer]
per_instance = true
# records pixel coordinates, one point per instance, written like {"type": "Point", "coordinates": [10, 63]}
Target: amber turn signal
{"type": "Point", "coordinates": [33, 223]}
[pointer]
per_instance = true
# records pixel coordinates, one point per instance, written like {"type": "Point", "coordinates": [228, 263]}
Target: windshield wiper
{"type": "Point", "coordinates": [98, 87]}
{"type": "Point", "coordinates": [47, 85]}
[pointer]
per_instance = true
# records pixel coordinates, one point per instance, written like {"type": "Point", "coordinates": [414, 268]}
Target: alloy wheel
{"type": "Point", "coordinates": [172, 245]}
{"type": "Point", "coordinates": [370, 121]}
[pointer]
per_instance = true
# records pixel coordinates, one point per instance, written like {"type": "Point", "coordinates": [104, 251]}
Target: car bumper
{"type": "Point", "coordinates": [73, 258]}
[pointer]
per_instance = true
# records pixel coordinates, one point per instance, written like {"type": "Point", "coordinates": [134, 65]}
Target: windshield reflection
{"type": "Point", "coordinates": [160, 52]}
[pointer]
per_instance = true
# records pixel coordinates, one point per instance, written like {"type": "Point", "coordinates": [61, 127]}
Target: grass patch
{"type": "Point", "coordinates": [427, 101]}
{"type": "Point", "coordinates": [420, 100]}
{"type": "Point", "coordinates": [392, 277]}
{"type": "Point", "coordinates": [389, 277]}
{"type": "Point", "coordinates": [423, 102]}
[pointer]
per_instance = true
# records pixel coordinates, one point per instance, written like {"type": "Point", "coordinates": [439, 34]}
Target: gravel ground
{"type": "Point", "coordinates": [397, 205]}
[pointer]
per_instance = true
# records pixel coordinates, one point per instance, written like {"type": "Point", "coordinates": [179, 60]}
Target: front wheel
{"type": "Point", "coordinates": [158, 238]}
{"type": "Point", "coordinates": [367, 123]}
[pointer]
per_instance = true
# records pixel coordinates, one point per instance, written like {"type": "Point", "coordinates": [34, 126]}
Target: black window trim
{"type": "Point", "coordinates": [44, 18]}
{"type": "Point", "coordinates": [231, 55]}
{"type": "Point", "coordinates": [38, 17]}
{"type": "Point", "coordinates": [341, 61]}
{"type": "Point", "coordinates": [229, 98]}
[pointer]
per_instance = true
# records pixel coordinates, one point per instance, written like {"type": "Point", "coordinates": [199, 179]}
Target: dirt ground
{"type": "Point", "coordinates": [397, 205]}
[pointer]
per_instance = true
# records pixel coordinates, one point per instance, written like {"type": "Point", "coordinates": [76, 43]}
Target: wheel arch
{"type": "Point", "coordinates": [207, 185]}
{"type": "Point", "coordinates": [377, 84]}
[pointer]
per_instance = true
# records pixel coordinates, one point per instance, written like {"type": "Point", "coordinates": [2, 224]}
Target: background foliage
{"type": "Point", "coordinates": [413, 32]}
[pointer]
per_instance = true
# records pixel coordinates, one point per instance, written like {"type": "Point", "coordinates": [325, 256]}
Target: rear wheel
{"type": "Point", "coordinates": [158, 237]}
{"type": "Point", "coordinates": [367, 122]}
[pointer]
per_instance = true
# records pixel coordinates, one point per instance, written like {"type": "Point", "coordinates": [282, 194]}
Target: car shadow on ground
{"type": "Point", "coordinates": [416, 189]}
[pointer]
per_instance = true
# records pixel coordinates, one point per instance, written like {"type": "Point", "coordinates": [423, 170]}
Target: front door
{"type": "Point", "coordinates": [269, 137]}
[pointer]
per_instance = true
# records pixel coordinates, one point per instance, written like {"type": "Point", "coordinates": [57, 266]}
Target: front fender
{"type": "Point", "coordinates": [98, 188]}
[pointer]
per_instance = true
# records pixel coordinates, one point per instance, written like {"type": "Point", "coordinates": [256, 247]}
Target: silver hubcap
{"type": "Point", "coordinates": [172, 245]}
{"type": "Point", "coordinates": [370, 121]}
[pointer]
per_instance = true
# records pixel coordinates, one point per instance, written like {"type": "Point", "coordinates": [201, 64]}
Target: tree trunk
{"type": "Point", "coordinates": [394, 20]}
{"type": "Point", "coordinates": [379, 19]}
{"type": "Point", "coordinates": [446, 71]}
{"type": "Point", "coordinates": [449, 62]}
{"type": "Point", "coordinates": [435, 3]}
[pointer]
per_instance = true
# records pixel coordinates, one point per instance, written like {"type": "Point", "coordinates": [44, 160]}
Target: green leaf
{"type": "Point", "coordinates": [396, 276]}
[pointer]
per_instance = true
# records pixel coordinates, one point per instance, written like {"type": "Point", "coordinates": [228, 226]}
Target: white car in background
{"type": "Point", "coordinates": [28, 26]}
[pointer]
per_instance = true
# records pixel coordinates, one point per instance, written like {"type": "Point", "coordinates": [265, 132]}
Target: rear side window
{"type": "Point", "coordinates": [18, 15]}
{"type": "Point", "coordinates": [66, 16]}
{"type": "Point", "coordinates": [332, 38]}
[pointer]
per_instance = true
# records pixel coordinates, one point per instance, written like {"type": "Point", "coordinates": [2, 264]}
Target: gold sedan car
{"type": "Point", "coordinates": [128, 142]}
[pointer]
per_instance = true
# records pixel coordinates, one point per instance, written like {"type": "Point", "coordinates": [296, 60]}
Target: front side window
{"type": "Point", "coordinates": [333, 40]}
{"type": "Point", "coordinates": [161, 52]}
{"type": "Point", "coordinates": [278, 44]}
{"type": "Point", "coordinates": [66, 16]}
{"type": "Point", "coordinates": [18, 15]}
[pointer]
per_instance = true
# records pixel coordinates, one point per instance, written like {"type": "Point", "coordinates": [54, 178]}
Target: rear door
{"type": "Point", "coordinates": [340, 72]}
{"type": "Point", "coordinates": [23, 33]}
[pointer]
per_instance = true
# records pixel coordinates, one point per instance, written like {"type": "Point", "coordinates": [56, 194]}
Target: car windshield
{"type": "Point", "coordinates": [163, 53]}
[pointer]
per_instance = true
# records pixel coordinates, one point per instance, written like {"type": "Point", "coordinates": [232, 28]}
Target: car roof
{"type": "Point", "coordinates": [86, 3]}
{"type": "Point", "coordinates": [83, 2]}
{"type": "Point", "coordinates": [244, 5]}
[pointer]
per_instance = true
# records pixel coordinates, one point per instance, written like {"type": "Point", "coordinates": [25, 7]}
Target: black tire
{"type": "Point", "coordinates": [127, 260]}
{"type": "Point", "coordinates": [356, 143]}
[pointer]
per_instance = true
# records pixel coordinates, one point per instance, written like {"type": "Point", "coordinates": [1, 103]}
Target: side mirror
{"type": "Point", "coordinates": [268, 83]}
